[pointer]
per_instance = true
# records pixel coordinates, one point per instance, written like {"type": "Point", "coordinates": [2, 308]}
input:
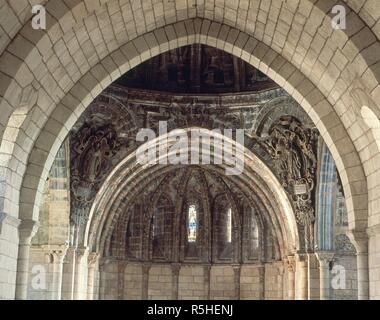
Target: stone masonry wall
{"type": "Point", "coordinates": [250, 285]}
{"type": "Point", "coordinates": [160, 283]}
{"type": "Point", "coordinates": [192, 282]}
{"type": "Point", "coordinates": [133, 282]}
{"type": "Point", "coordinates": [351, 286]}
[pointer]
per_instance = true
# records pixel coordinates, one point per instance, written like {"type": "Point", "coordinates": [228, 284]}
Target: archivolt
{"type": "Point", "coordinates": [128, 179]}
{"type": "Point", "coordinates": [56, 115]}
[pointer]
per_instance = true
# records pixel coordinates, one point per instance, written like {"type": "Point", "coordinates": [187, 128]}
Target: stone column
{"type": "Point", "coordinates": [27, 229]}
{"type": "Point", "coordinates": [8, 231]}
{"type": "Point", "coordinates": [121, 278]}
{"type": "Point", "coordinates": [291, 265]}
{"type": "Point", "coordinates": [58, 257]}
{"type": "Point", "coordinates": [360, 241]}
{"type": "Point", "coordinates": [313, 276]}
{"type": "Point", "coordinates": [92, 259]}
{"type": "Point", "coordinates": [102, 279]}
{"type": "Point", "coordinates": [373, 251]}
{"type": "Point", "coordinates": [237, 272]}
{"type": "Point", "coordinates": [80, 280]}
{"type": "Point", "coordinates": [301, 281]}
{"type": "Point", "coordinates": [262, 281]}
{"type": "Point", "coordinates": [175, 280]}
{"type": "Point", "coordinates": [145, 281]}
{"type": "Point", "coordinates": [363, 275]}
{"type": "Point", "coordinates": [207, 279]}
{"type": "Point", "coordinates": [280, 282]}
{"type": "Point", "coordinates": [324, 258]}
{"type": "Point", "coordinates": [68, 274]}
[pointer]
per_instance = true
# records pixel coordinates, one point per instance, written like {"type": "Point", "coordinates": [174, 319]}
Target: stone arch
{"type": "Point", "coordinates": [273, 112]}
{"type": "Point", "coordinates": [307, 80]}
{"type": "Point", "coordinates": [126, 180]}
{"type": "Point", "coordinates": [238, 43]}
{"type": "Point", "coordinates": [46, 149]}
{"type": "Point", "coordinates": [318, 11]}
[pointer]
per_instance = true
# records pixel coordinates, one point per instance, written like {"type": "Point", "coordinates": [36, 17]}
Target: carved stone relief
{"type": "Point", "coordinates": [106, 134]}
{"type": "Point", "coordinates": [343, 244]}
{"type": "Point", "coordinates": [293, 150]}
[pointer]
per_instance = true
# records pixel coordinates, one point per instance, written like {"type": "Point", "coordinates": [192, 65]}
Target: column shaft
{"type": "Point", "coordinates": [175, 280]}
{"type": "Point", "coordinates": [207, 279]}
{"type": "Point", "coordinates": [360, 241]}
{"type": "Point", "coordinates": [237, 272]}
{"type": "Point", "coordinates": [27, 230]}
{"type": "Point", "coordinates": [92, 260]}
{"type": "Point", "coordinates": [262, 281]}
{"type": "Point", "coordinates": [58, 256]}
{"type": "Point", "coordinates": [324, 282]}
{"type": "Point", "coordinates": [324, 273]}
{"type": "Point", "coordinates": [102, 280]}
{"type": "Point", "coordinates": [145, 282]}
{"type": "Point", "coordinates": [291, 264]}
{"type": "Point", "coordinates": [80, 280]}
{"type": "Point", "coordinates": [68, 275]}
{"type": "Point", "coordinates": [313, 277]}
{"type": "Point", "coordinates": [121, 279]}
{"type": "Point", "coordinates": [363, 275]}
{"type": "Point", "coordinates": [301, 280]}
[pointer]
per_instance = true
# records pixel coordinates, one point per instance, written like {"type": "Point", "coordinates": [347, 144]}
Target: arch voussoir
{"type": "Point", "coordinates": [74, 60]}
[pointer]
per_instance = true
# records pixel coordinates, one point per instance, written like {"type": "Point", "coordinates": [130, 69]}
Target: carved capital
{"type": "Point", "coordinates": [281, 269]}
{"type": "Point", "coordinates": [291, 263]}
{"type": "Point", "coordinates": [301, 257]}
{"type": "Point", "coordinates": [92, 258]}
{"type": "Point", "coordinates": [103, 263]}
{"type": "Point", "coordinates": [55, 253]}
{"type": "Point", "coordinates": [324, 257]}
{"type": "Point", "coordinates": [342, 243]}
{"type": "Point", "coordinates": [237, 271]}
{"type": "Point", "coordinates": [81, 252]}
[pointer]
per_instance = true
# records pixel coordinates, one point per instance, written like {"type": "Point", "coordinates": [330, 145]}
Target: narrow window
{"type": "Point", "coordinates": [192, 224]}
{"type": "Point", "coordinates": [229, 226]}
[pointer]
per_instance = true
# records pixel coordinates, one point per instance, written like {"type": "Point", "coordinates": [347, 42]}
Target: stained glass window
{"type": "Point", "coordinates": [192, 224]}
{"type": "Point", "coordinates": [229, 225]}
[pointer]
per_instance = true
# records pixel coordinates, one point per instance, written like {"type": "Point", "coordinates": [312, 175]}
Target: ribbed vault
{"type": "Point", "coordinates": [128, 180]}
{"type": "Point", "coordinates": [49, 78]}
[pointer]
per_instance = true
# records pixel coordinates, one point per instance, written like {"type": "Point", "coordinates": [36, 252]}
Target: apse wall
{"type": "Point", "coordinates": [194, 282]}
